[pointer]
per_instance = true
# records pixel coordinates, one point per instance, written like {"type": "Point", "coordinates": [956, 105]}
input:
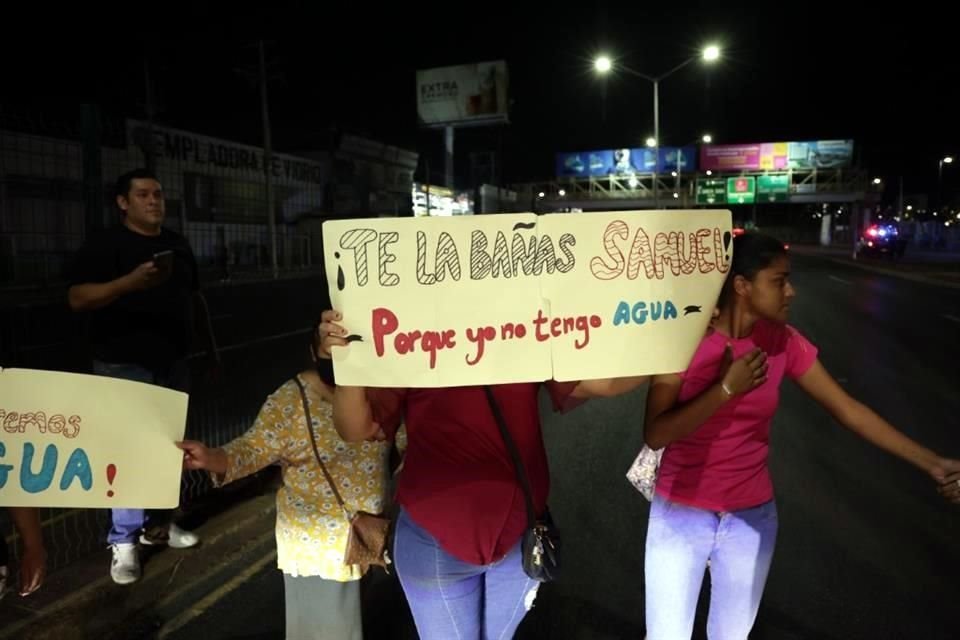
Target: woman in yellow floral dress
{"type": "Point", "coordinates": [322, 593]}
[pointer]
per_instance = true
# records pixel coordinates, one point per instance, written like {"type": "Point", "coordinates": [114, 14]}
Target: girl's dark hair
{"type": "Point", "coordinates": [752, 252]}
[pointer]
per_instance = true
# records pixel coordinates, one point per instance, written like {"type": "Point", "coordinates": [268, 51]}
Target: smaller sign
{"type": "Point", "coordinates": [741, 190]}
{"type": "Point", "coordinates": [773, 187]}
{"type": "Point", "coordinates": [84, 441]}
{"type": "Point", "coordinates": [711, 191]}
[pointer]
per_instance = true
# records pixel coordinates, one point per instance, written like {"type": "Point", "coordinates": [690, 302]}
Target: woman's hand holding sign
{"type": "Point", "coordinates": [198, 456]}
{"type": "Point", "coordinates": [329, 333]}
{"type": "Point", "coordinates": [351, 410]}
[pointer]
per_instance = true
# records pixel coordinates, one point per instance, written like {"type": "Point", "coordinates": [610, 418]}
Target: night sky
{"type": "Point", "coordinates": [790, 71]}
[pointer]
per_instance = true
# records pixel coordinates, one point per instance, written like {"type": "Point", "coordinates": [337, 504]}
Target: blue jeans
{"type": "Point", "coordinates": [454, 600]}
{"type": "Point", "coordinates": [680, 542]}
{"type": "Point", "coordinates": [127, 523]}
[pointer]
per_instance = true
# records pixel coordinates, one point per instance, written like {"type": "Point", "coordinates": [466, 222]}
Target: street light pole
{"type": "Point", "coordinates": [947, 160]}
{"type": "Point", "coordinates": [900, 210]}
{"type": "Point", "coordinates": [268, 165]}
{"type": "Point", "coordinates": [939, 183]}
{"type": "Point", "coordinates": [656, 137]}
{"type": "Point", "coordinates": [604, 64]}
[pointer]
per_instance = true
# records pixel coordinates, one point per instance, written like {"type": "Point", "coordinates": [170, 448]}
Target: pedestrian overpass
{"type": "Point", "coordinates": [700, 190]}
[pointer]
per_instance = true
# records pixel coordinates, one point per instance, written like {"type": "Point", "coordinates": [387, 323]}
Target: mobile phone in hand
{"type": "Point", "coordinates": [163, 261]}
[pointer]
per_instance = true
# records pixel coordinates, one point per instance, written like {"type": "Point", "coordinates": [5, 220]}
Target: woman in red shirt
{"type": "Point", "coordinates": [457, 542]}
{"type": "Point", "coordinates": [714, 499]}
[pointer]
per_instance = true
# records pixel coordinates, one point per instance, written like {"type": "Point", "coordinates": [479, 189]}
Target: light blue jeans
{"type": "Point", "coordinates": [454, 600]}
{"type": "Point", "coordinates": [681, 540]}
{"type": "Point", "coordinates": [128, 523]}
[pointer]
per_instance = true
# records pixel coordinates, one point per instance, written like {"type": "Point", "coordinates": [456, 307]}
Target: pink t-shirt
{"type": "Point", "coordinates": [722, 466]}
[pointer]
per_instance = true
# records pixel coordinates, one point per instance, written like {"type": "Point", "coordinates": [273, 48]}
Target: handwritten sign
{"type": "Point", "coordinates": [73, 440]}
{"type": "Point", "coordinates": [436, 302]}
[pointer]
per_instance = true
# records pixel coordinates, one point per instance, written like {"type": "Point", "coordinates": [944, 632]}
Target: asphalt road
{"type": "Point", "coordinates": [867, 549]}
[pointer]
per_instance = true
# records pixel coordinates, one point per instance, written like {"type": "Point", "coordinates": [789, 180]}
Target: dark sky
{"type": "Point", "coordinates": [790, 71]}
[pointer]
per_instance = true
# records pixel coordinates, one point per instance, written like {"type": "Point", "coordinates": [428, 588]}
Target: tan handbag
{"type": "Point", "coordinates": [369, 532]}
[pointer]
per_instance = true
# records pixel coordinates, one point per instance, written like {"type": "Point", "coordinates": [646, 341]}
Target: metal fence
{"type": "Point", "coordinates": [260, 349]}
{"type": "Point", "coordinates": [56, 184]}
{"type": "Point", "coordinates": [56, 187]}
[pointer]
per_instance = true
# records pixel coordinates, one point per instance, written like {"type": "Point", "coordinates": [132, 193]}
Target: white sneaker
{"type": "Point", "coordinates": [181, 538]}
{"type": "Point", "coordinates": [125, 566]}
{"type": "Point", "coordinates": [176, 538]}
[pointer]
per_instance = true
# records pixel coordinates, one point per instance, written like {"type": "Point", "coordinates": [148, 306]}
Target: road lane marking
{"type": "Point", "coordinates": [165, 599]}
{"type": "Point", "coordinates": [841, 280]}
{"type": "Point", "coordinates": [951, 318]}
{"type": "Point", "coordinates": [201, 606]}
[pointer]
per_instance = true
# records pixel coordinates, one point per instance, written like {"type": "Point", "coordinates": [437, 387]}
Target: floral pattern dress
{"type": "Point", "coordinates": [312, 529]}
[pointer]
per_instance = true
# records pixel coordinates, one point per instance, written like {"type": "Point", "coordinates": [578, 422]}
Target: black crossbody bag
{"type": "Point", "coordinates": [541, 540]}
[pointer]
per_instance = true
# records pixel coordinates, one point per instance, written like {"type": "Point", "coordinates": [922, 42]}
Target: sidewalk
{"type": "Point", "coordinates": [937, 268]}
{"type": "Point", "coordinates": [81, 601]}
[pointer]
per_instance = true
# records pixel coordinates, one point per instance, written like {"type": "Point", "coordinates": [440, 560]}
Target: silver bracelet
{"type": "Point", "coordinates": [726, 389]}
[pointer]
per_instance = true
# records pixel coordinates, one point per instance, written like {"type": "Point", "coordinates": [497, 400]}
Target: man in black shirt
{"type": "Point", "coordinates": [140, 283]}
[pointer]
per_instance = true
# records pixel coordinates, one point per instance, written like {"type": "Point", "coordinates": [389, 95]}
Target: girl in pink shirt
{"type": "Point", "coordinates": [714, 499]}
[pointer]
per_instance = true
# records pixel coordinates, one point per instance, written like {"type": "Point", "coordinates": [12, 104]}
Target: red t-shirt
{"type": "Point", "coordinates": [722, 466]}
{"type": "Point", "coordinates": [458, 481]}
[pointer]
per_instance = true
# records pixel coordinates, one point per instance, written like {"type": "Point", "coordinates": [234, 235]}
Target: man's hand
{"type": "Point", "coordinates": [142, 277]}
{"type": "Point", "coordinates": [96, 295]}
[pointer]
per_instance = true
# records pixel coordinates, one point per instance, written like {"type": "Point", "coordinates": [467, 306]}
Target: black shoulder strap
{"type": "Point", "coordinates": [514, 454]}
{"type": "Point", "coordinates": [313, 441]}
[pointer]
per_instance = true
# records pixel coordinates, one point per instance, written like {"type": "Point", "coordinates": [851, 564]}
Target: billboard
{"type": "Point", "coordinates": [820, 154]}
{"type": "Point", "coordinates": [582, 164]}
{"type": "Point", "coordinates": [679, 159]}
{"type": "Point", "coordinates": [624, 162]}
{"type": "Point", "coordinates": [775, 156]}
{"type": "Point", "coordinates": [463, 95]}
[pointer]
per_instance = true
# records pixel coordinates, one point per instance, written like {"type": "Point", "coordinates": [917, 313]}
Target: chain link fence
{"type": "Point", "coordinates": [56, 186]}
{"type": "Point", "coordinates": [253, 220]}
{"type": "Point", "coordinates": [259, 350]}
